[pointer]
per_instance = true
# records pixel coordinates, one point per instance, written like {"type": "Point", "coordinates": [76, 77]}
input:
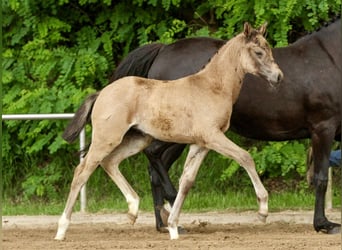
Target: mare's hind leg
{"type": "Point", "coordinates": [161, 156]}
{"type": "Point", "coordinates": [132, 143]}
{"type": "Point", "coordinates": [221, 144]}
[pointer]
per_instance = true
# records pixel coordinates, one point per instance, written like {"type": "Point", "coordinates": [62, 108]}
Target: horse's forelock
{"type": "Point", "coordinates": [253, 36]}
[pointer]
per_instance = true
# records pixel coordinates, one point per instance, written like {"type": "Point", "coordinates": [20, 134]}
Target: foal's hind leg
{"type": "Point", "coordinates": [221, 144]}
{"type": "Point", "coordinates": [132, 143]}
{"type": "Point", "coordinates": [102, 145]}
{"type": "Point", "coordinates": [81, 175]}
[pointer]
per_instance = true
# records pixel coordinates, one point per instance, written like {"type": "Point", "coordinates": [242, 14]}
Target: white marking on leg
{"type": "Point", "coordinates": [263, 203]}
{"type": "Point", "coordinates": [167, 206]}
{"type": "Point", "coordinates": [193, 162]}
{"type": "Point", "coordinates": [133, 207]}
{"type": "Point", "coordinates": [173, 231]}
{"type": "Point", "coordinates": [165, 213]}
{"type": "Point", "coordinates": [63, 225]}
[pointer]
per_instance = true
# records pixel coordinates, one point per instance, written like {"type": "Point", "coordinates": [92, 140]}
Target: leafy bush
{"type": "Point", "coordinates": [275, 159]}
{"type": "Point", "coordinates": [57, 52]}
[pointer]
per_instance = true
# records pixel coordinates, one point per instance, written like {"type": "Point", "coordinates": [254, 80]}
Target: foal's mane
{"type": "Point", "coordinates": [221, 48]}
{"type": "Point", "coordinates": [254, 32]}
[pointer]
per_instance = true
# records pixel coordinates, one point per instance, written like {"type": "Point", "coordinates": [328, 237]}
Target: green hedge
{"type": "Point", "coordinates": [57, 52]}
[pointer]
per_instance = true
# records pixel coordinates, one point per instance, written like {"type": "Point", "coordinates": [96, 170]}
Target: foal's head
{"type": "Point", "coordinates": [257, 56]}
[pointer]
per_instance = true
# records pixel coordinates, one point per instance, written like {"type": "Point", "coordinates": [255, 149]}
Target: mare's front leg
{"type": "Point", "coordinates": [193, 162]}
{"type": "Point", "coordinates": [321, 146]}
{"type": "Point", "coordinates": [161, 156]}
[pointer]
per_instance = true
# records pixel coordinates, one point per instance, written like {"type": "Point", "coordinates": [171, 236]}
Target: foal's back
{"type": "Point", "coordinates": [167, 110]}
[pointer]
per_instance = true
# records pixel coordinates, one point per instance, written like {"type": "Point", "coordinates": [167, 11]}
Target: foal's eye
{"type": "Point", "coordinates": [259, 53]}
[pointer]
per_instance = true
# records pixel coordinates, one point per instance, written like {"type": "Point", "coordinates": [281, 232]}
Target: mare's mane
{"type": "Point", "coordinates": [138, 55]}
{"type": "Point", "coordinates": [311, 34]}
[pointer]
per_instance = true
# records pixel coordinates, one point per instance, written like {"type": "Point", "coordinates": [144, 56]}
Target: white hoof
{"type": "Point", "coordinates": [59, 237]}
{"type": "Point", "coordinates": [173, 231]}
{"type": "Point", "coordinates": [262, 217]}
{"type": "Point", "coordinates": [63, 225]}
{"type": "Point", "coordinates": [133, 208]}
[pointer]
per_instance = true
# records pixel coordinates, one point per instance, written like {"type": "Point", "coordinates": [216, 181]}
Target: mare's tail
{"type": "Point", "coordinates": [81, 117]}
{"type": "Point", "coordinates": [138, 62]}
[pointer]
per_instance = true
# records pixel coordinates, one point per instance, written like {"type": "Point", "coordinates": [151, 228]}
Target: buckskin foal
{"type": "Point", "coordinates": [195, 110]}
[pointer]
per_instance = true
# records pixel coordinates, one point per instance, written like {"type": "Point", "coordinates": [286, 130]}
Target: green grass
{"type": "Point", "coordinates": [195, 202]}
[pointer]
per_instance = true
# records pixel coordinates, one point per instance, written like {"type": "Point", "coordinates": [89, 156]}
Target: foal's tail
{"type": "Point", "coordinates": [80, 119]}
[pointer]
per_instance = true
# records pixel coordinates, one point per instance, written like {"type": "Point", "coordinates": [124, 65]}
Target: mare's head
{"type": "Point", "coordinates": [257, 56]}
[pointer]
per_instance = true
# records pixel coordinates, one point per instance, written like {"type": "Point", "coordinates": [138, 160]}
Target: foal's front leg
{"type": "Point", "coordinates": [193, 162]}
{"type": "Point", "coordinates": [221, 144]}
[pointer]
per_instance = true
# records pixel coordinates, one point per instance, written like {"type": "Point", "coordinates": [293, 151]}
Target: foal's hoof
{"type": "Point", "coordinates": [262, 217]}
{"type": "Point", "coordinates": [132, 218]}
{"type": "Point", "coordinates": [59, 238]}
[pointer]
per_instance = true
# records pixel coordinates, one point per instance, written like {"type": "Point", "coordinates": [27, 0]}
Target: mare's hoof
{"type": "Point", "coordinates": [181, 230]}
{"type": "Point", "coordinates": [163, 229]}
{"type": "Point", "coordinates": [335, 230]}
{"type": "Point", "coordinates": [262, 217]}
{"type": "Point", "coordinates": [331, 229]}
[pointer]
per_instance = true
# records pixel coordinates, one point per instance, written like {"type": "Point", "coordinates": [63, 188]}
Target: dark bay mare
{"type": "Point", "coordinates": [306, 105]}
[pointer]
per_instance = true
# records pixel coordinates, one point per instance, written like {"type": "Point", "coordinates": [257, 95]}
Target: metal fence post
{"type": "Point", "coordinates": [83, 197]}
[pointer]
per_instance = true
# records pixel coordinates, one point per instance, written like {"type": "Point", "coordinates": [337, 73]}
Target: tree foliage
{"type": "Point", "coordinates": [57, 52]}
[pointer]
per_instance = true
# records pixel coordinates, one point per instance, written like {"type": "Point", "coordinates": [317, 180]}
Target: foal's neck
{"type": "Point", "coordinates": [225, 68]}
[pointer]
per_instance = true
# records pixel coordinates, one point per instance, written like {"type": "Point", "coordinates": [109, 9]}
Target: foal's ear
{"type": "Point", "coordinates": [262, 29]}
{"type": "Point", "coordinates": [247, 29]}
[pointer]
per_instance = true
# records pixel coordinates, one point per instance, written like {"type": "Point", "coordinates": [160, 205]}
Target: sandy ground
{"type": "Point", "coordinates": [283, 230]}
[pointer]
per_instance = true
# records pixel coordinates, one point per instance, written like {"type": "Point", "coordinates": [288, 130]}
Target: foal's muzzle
{"type": "Point", "coordinates": [275, 78]}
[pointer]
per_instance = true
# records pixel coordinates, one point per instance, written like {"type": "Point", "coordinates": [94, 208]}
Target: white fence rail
{"type": "Point", "coordinates": [83, 196]}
